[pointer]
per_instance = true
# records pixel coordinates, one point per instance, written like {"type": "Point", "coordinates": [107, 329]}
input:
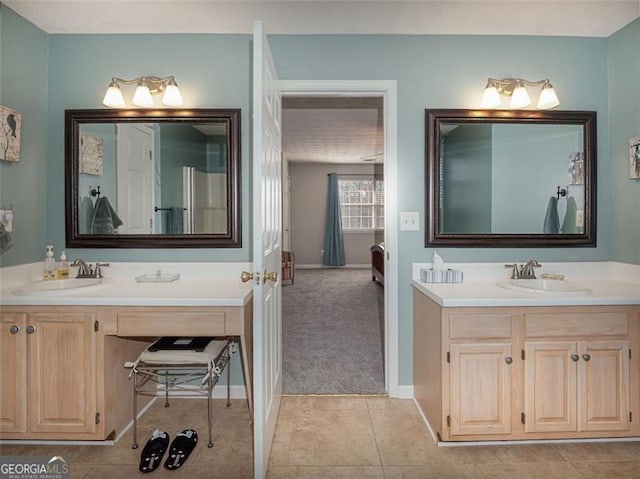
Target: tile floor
{"type": "Point", "coordinates": [340, 437]}
{"type": "Point", "coordinates": [231, 456]}
{"type": "Point", "coordinates": [324, 437]}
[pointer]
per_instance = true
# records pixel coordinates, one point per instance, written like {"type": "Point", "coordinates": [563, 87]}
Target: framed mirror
{"type": "Point", "coordinates": [502, 178]}
{"type": "Point", "coordinates": [153, 178]}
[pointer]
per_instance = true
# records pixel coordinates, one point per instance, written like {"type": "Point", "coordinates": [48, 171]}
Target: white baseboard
{"type": "Point", "coordinates": [402, 392]}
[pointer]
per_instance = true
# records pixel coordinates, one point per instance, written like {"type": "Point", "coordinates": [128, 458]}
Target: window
{"type": "Point", "coordinates": [361, 202]}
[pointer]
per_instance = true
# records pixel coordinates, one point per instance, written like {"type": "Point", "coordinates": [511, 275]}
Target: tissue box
{"type": "Point", "coordinates": [440, 276]}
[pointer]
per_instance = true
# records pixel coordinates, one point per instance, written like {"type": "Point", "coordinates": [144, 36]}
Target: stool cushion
{"type": "Point", "coordinates": [176, 356]}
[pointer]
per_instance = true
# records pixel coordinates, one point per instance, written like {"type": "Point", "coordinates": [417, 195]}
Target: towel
{"type": "Point", "coordinates": [569, 222]}
{"type": "Point", "coordinates": [174, 221]}
{"type": "Point", "coordinates": [105, 220]}
{"type": "Point", "coordinates": [551, 220]}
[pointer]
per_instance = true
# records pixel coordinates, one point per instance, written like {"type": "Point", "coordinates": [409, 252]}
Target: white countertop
{"type": "Point", "coordinates": [610, 283]}
{"type": "Point", "coordinates": [200, 284]}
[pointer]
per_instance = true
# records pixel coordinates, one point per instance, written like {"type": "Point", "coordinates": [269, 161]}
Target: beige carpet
{"type": "Point", "coordinates": [332, 333]}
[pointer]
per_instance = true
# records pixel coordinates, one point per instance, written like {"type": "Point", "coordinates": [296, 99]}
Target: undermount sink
{"type": "Point", "coordinates": [545, 286]}
{"type": "Point", "coordinates": [56, 285]}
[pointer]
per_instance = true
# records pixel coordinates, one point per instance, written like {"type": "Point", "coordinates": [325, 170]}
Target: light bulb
{"type": "Point", "coordinates": [548, 98]}
{"type": "Point", "coordinates": [113, 98]}
{"type": "Point", "coordinates": [172, 96]}
{"type": "Point", "coordinates": [142, 96]}
{"type": "Point", "coordinates": [520, 97]}
{"type": "Point", "coordinates": [490, 97]}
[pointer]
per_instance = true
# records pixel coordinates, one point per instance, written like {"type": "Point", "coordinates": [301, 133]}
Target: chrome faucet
{"type": "Point", "coordinates": [84, 270]}
{"type": "Point", "coordinates": [525, 271]}
{"type": "Point", "coordinates": [87, 271]}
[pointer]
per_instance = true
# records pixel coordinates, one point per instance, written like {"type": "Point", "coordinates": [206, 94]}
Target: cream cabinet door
{"type": "Point", "coordinates": [62, 372]}
{"type": "Point", "coordinates": [480, 385]}
{"type": "Point", "coordinates": [13, 373]}
{"type": "Point", "coordinates": [550, 388]}
{"type": "Point", "coordinates": [603, 386]}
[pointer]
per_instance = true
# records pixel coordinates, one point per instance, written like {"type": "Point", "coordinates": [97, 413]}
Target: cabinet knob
{"type": "Point", "coordinates": [14, 329]}
{"type": "Point", "coordinates": [575, 357]}
{"type": "Point", "coordinates": [508, 360]}
{"type": "Point", "coordinates": [31, 329]}
{"type": "Point", "coordinates": [586, 357]}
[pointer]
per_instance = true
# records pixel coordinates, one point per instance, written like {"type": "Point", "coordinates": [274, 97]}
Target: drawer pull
{"type": "Point", "coordinates": [31, 329]}
{"type": "Point", "coordinates": [575, 357]}
{"type": "Point", "coordinates": [586, 357]}
{"type": "Point", "coordinates": [14, 329]}
{"type": "Point", "coordinates": [508, 360]}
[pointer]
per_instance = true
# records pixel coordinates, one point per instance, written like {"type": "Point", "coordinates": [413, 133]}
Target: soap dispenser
{"type": "Point", "coordinates": [49, 268]}
{"type": "Point", "coordinates": [62, 271]}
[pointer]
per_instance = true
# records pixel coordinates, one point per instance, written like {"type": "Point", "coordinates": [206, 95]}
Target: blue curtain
{"type": "Point", "coordinates": [333, 240]}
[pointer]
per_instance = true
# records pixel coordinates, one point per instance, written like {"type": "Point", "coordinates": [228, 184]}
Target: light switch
{"type": "Point", "coordinates": [409, 221]}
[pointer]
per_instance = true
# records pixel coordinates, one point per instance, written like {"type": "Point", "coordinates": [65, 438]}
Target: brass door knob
{"type": "Point", "coordinates": [272, 276]}
{"type": "Point", "coordinates": [246, 276]}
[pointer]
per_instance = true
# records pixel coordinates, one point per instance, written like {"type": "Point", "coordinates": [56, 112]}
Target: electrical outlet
{"type": "Point", "coordinates": [6, 218]}
{"type": "Point", "coordinates": [409, 221]}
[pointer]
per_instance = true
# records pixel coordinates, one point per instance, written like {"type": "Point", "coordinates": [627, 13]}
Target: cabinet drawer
{"type": "Point", "coordinates": [475, 325]}
{"type": "Point", "coordinates": [172, 324]}
{"type": "Point", "coordinates": [604, 323]}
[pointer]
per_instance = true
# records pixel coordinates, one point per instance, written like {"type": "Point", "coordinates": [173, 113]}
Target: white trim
{"type": "Point", "coordinates": [405, 392]}
{"type": "Point", "coordinates": [388, 90]}
{"type": "Point", "coordinates": [432, 433]}
{"type": "Point", "coordinates": [526, 442]}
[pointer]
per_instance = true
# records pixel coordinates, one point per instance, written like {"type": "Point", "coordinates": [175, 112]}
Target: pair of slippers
{"type": "Point", "coordinates": [181, 447]}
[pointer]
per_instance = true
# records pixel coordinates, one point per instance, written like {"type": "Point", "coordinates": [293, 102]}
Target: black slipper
{"type": "Point", "coordinates": [153, 451]}
{"type": "Point", "coordinates": [181, 446]}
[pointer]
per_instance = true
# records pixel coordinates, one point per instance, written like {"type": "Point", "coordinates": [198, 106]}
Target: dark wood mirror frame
{"type": "Point", "coordinates": [231, 239]}
{"type": "Point", "coordinates": [436, 117]}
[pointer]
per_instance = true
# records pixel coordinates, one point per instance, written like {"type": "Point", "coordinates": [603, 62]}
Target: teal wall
{"type": "Point", "coordinates": [215, 71]}
{"type": "Point", "coordinates": [623, 52]}
{"type": "Point", "coordinates": [466, 180]}
{"type": "Point", "coordinates": [23, 86]}
{"type": "Point", "coordinates": [451, 72]}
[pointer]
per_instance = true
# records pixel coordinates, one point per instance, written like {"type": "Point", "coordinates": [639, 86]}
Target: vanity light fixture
{"type": "Point", "coordinates": [146, 86]}
{"type": "Point", "coordinates": [516, 89]}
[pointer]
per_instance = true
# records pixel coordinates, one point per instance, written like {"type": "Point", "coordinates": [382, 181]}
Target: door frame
{"type": "Point", "coordinates": [387, 89]}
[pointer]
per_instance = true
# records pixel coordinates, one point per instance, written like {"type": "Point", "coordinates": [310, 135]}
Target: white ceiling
{"type": "Point", "coordinates": [599, 18]}
{"type": "Point", "coordinates": [332, 130]}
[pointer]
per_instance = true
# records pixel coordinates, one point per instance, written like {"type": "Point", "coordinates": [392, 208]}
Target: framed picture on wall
{"type": "Point", "coordinates": [10, 130]}
{"type": "Point", "coordinates": [634, 158]}
{"type": "Point", "coordinates": [91, 154]}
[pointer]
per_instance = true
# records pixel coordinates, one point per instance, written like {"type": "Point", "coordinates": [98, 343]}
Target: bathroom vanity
{"type": "Point", "coordinates": [63, 355]}
{"type": "Point", "coordinates": [494, 364]}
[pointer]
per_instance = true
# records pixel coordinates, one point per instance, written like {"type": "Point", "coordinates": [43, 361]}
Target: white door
{"type": "Point", "coordinates": [135, 179]}
{"type": "Point", "coordinates": [267, 231]}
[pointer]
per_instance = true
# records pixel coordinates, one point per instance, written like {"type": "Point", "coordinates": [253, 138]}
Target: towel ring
{"type": "Point", "coordinates": [95, 192]}
{"type": "Point", "coordinates": [561, 192]}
